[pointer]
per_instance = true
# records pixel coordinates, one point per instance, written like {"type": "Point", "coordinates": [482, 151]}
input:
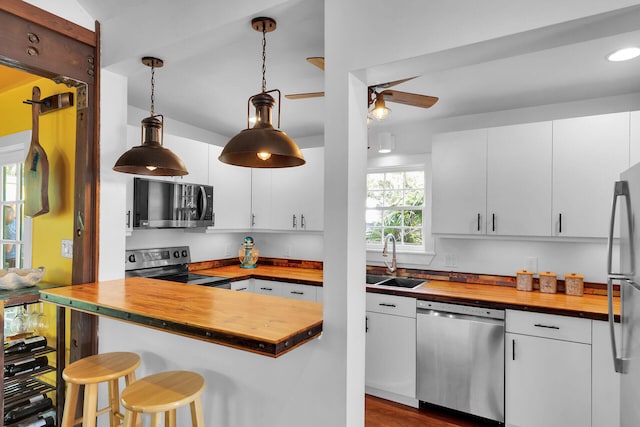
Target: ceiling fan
{"type": "Point", "coordinates": [378, 94]}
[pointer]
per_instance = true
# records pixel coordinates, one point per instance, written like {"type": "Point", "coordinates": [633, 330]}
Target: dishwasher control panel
{"type": "Point", "coordinates": [460, 309]}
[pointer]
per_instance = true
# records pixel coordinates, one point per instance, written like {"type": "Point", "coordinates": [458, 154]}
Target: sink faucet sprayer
{"type": "Point", "coordinates": [394, 266]}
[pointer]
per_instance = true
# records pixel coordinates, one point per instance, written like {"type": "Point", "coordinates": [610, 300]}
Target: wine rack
{"type": "Point", "coordinates": [33, 384]}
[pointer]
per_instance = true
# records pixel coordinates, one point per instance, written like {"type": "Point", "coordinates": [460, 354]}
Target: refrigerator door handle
{"type": "Point", "coordinates": [621, 189]}
{"type": "Point", "coordinates": [618, 362]}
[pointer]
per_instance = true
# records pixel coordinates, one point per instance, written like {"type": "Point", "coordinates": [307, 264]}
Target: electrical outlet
{"type": "Point", "coordinates": [287, 251]}
{"type": "Point", "coordinates": [67, 248]}
{"type": "Point", "coordinates": [449, 260]}
{"type": "Point", "coordinates": [227, 250]}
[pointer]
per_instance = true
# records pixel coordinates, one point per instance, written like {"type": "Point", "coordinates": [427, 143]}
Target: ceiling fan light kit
{"type": "Point", "coordinates": [380, 110]}
{"type": "Point", "coordinates": [262, 146]}
{"type": "Point", "coordinates": [151, 158]}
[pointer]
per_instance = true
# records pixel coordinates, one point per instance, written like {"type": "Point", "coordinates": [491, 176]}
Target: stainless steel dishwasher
{"type": "Point", "coordinates": [460, 358]}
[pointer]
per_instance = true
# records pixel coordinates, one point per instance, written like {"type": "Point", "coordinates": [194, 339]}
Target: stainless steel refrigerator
{"type": "Point", "coordinates": [626, 346]}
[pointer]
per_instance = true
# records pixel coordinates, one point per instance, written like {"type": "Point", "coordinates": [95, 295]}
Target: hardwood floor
{"type": "Point", "coordinates": [383, 413]}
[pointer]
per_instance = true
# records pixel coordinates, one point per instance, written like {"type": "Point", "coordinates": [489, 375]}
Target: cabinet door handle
{"type": "Point", "coordinates": [559, 223]}
{"type": "Point", "coordinates": [384, 304]}
{"type": "Point", "coordinates": [493, 222]}
{"type": "Point", "coordinates": [302, 225]}
{"type": "Point", "coordinates": [295, 221]}
{"type": "Point", "coordinates": [241, 289]}
{"type": "Point", "coordinates": [478, 221]}
{"type": "Point", "coordinates": [366, 324]}
{"type": "Point", "coordinates": [540, 325]}
{"type": "Point", "coordinates": [213, 220]}
{"type": "Point", "coordinates": [253, 219]}
{"type": "Point", "coordinates": [513, 349]}
{"type": "Point", "coordinates": [128, 218]}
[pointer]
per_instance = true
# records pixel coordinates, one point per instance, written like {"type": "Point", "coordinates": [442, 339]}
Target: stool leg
{"type": "Point", "coordinates": [155, 419]}
{"type": "Point", "coordinates": [170, 418]}
{"type": "Point", "coordinates": [197, 417]}
{"type": "Point", "coordinates": [130, 378]}
{"type": "Point", "coordinates": [114, 403]}
{"type": "Point", "coordinates": [90, 405]}
{"type": "Point", "coordinates": [70, 404]}
{"type": "Point", "coordinates": [130, 418]}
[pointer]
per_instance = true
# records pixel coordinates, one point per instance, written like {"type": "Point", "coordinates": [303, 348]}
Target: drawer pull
{"type": "Point", "coordinates": [297, 293]}
{"type": "Point", "coordinates": [539, 325]}
{"type": "Point", "coordinates": [267, 289]}
{"type": "Point", "coordinates": [384, 304]}
{"type": "Point", "coordinates": [241, 289]}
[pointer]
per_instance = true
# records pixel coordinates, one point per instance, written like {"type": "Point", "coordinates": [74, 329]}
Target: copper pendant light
{"type": "Point", "coordinates": [262, 146]}
{"type": "Point", "coordinates": [151, 158]}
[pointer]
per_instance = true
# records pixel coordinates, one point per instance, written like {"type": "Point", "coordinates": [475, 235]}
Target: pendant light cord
{"type": "Point", "coordinates": [264, 57]}
{"type": "Point", "coordinates": [153, 86]}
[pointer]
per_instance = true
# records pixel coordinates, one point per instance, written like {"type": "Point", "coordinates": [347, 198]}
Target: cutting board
{"type": "Point", "coordinates": [36, 167]}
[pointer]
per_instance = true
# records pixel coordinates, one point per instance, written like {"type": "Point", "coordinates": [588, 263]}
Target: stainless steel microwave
{"type": "Point", "coordinates": [167, 204]}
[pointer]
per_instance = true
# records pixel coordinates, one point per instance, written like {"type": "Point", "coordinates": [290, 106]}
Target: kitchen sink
{"type": "Point", "coordinates": [400, 282]}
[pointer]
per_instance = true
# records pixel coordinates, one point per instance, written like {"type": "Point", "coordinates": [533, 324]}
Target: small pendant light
{"type": "Point", "coordinates": [151, 158]}
{"type": "Point", "coordinates": [262, 146]}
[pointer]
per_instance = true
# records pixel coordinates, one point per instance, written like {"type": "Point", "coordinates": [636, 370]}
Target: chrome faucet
{"type": "Point", "coordinates": [394, 266]}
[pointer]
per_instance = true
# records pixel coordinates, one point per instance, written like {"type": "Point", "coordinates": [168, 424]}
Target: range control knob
{"type": "Point", "coordinates": [132, 258]}
{"type": "Point", "coordinates": [184, 253]}
{"type": "Point", "coordinates": [176, 254]}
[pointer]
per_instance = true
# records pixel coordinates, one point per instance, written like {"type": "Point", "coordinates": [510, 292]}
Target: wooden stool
{"type": "Point", "coordinates": [164, 393]}
{"type": "Point", "coordinates": [90, 371]}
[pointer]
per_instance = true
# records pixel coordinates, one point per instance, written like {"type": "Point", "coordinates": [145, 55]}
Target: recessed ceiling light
{"type": "Point", "coordinates": [624, 54]}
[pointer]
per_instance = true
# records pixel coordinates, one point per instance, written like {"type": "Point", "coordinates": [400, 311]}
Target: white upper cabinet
{"type": "Point", "coordinates": [519, 180]}
{"type": "Point", "coordinates": [459, 182]}
{"type": "Point", "coordinates": [634, 150]}
{"type": "Point", "coordinates": [589, 153]}
{"type": "Point", "coordinates": [261, 192]}
{"type": "Point", "coordinates": [297, 198]}
{"type": "Point", "coordinates": [537, 179]}
{"type": "Point", "coordinates": [231, 193]}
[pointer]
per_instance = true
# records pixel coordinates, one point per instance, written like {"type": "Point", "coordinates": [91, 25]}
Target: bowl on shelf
{"type": "Point", "coordinates": [16, 278]}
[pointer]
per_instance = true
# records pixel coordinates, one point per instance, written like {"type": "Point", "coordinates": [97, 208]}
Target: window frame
{"type": "Point", "coordinates": [422, 248]}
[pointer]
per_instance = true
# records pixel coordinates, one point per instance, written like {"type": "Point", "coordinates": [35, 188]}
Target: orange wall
{"type": "Point", "coordinates": [57, 136]}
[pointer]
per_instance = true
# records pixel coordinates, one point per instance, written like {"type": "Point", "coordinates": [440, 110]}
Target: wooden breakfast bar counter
{"type": "Point", "coordinates": [257, 323]}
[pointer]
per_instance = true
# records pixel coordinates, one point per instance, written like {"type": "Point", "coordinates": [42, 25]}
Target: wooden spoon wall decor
{"type": "Point", "coordinates": [36, 167]}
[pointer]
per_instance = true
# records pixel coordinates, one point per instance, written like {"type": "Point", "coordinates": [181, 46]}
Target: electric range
{"type": "Point", "coordinates": [170, 264]}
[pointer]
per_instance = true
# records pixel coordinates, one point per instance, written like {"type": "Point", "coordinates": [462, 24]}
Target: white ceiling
{"type": "Point", "coordinates": [213, 66]}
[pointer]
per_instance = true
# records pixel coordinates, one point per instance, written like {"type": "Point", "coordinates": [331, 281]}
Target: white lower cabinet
{"type": "Point", "coordinates": [268, 287]}
{"type": "Point", "coordinates": [547, 370]}
{"type": "Point", "coordinates": [298, 291]}
{"type": "Point", "coordinates": [390, 367]}
{"type": "Point", "coordinates": [243, 285]}
{"type": "Point", "coordinates": [605, 410]}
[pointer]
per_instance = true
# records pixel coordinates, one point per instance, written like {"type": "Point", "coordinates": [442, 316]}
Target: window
{"type": "Point", "coordinates": [12, 203]}
{"type": "Point", "coordinates": [396, 205]}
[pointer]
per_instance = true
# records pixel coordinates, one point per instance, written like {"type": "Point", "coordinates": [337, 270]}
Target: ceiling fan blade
{"type": "Point", "coordinates": [406, 98]}
{"type": "Point", "coordinates": [318, 61]}
{"type": "Point", "coordinates": [304, 95]}
{"type": "Point", "coordinates": [390, 84]}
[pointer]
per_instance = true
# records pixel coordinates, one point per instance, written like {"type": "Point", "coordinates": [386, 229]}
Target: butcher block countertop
{"type": "Point", "coordinates": [308, 276]}
{"type": "Point", "coordinates": [493, 296]}
{"type": "Point", "coordinates": [506, 297]}
{"type": "Point", "coordinates": [258, 323]}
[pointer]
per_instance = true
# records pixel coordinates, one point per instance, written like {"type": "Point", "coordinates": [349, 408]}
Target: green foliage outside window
{"type": "Point", "coordinates": [395, 205]}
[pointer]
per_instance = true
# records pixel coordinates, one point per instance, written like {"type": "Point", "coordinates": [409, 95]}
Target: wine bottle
{"type": "Point", "coordinates": [24, 402]}
{"type": "Point", "coordinates": [37, 422]}
{"type": "Point", "coordinates": [26, 345]}
{"type": "Point", "coordinates": [27, 410]}
{"type": "Point", "coordinates": [27, 365]}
